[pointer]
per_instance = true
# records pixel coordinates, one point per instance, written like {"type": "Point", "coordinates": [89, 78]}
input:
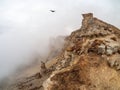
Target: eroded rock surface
{"type": "Point", "coordinates": [89, 60]}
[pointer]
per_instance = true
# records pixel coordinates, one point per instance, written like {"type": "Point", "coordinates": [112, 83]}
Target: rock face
{"type": "Point", "coordinates": [89, 60]}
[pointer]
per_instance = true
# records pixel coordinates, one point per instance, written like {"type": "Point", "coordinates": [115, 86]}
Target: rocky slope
{"type": "Point", "coordinates": [90, 60]}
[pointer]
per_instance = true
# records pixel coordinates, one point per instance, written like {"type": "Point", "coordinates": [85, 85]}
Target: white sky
{"type": "Point", "coordinates": [27, 25]}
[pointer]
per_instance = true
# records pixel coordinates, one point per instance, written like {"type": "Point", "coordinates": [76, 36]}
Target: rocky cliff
{"type": "Point", "coordinates": [89, 60]}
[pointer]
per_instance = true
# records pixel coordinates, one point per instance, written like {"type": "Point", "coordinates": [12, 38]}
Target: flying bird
{"type": "Point", "coordinates": [52, 10]}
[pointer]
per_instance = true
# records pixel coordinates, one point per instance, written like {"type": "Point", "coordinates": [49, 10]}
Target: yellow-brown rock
{"type": "Point", "coordinates": [89, 60]}
{"type": "Point", "coordinates": [94, 61]}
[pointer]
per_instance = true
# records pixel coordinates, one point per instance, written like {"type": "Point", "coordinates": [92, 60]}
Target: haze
{"type": "Point", "coordinates": [27, 25]}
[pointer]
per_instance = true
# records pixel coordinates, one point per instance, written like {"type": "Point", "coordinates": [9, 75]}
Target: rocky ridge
{"type": "Point", "coordinates": [89, 60]}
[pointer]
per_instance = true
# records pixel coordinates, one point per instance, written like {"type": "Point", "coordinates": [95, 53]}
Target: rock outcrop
{"type": "Point", "coordinates": [89, 60]}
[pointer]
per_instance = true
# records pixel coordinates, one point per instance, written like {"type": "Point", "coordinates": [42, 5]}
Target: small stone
{"type": "Point", "coordinates": [43, 68]}
{"type": "Point", "coordinates": [111, 62]}
{"type": "Point", "coordinates": [109, 50]}
{"type": "Point", "coordinates": [101, 49]}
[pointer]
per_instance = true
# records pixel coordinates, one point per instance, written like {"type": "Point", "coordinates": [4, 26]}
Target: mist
{"type": "Point", "coordinates": [26, 26]}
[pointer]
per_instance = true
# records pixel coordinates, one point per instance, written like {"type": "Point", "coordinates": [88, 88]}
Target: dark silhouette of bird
{"type": "Point", "coordinates": [52, 10]}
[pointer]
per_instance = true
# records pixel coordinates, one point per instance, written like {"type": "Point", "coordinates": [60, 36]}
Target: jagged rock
{"type": "Point", "coordinates": [109, 50]}
{"type": "Point", "coordinates": [93, 64]}
{"type": "Point", "coordinates": [89, 60]}
{"type": "Point", "coordinates": [43, 68]}
{"type": "Point", "coordinates": [101, 49]}
{"type": "Point", "coordinates": [114, 62]}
